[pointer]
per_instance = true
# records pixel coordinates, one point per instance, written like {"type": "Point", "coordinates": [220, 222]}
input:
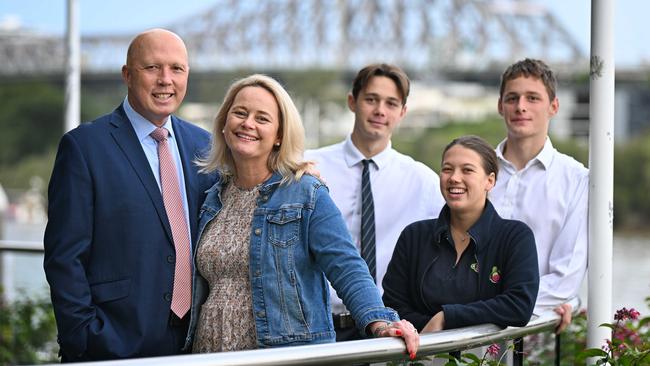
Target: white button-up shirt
{"type": "Point", "coordinates": [550, 194]}
{"type": "Point", "coordinates": [403, 190]}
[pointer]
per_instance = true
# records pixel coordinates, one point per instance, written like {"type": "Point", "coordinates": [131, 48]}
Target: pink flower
{"type": "Point", "coordinates": [494, 350]}
{"type": "Point", "coordinates": [624, 314]}
{"type": "Point", "coordinates": [607, 346]}
{"type": "Point", "coordinates": [625, 334]}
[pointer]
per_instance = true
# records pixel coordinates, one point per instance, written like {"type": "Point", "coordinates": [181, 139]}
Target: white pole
{"type": "Point", "coordinates": [601, 168]}
{"type": "Point", "coordinates": [72, 70]}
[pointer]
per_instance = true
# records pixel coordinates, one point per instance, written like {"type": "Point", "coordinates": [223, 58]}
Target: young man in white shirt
{"type": "Point", "coordinates": [542, 187]}
{"type": "Point", "coordinates": [403, 190]}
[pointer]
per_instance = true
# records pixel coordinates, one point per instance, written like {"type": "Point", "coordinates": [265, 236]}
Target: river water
{"type": "Point", "coordinates": [22, 274]}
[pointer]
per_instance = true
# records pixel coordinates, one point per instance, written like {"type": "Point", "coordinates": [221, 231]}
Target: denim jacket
{"type": "Point", "coordinates": [298, 241]}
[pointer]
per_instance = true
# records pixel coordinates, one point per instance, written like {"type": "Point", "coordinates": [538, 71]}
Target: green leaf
{"type": "Point", "coordinates": [644, 321]}
{"type": "Point", "coordinates": [593, 352]}
{"type": "Point", "coordinates": [472, 357]}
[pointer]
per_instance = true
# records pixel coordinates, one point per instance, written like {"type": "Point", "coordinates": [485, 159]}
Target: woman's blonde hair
{"type": "Point", "coordinates": [285, 159]}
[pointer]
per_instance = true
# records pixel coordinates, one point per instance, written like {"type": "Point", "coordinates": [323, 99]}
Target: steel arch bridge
{"type": "Point", "coordinates": [337, 34]}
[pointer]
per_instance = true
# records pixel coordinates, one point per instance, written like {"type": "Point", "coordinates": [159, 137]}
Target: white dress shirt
{"type": "Point", "coordinates": [403, 191]}
{"type": "Point", "coordinates": [550, 194]}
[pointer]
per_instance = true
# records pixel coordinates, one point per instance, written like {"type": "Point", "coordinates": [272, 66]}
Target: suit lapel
{"type": "Point", "coordinates": [186, 148]}
{"type": "Point", "coordinates": [127, 140]}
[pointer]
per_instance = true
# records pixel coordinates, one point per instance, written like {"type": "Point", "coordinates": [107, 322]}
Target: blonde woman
{"type": "Point", "coordinates": [271, 237]}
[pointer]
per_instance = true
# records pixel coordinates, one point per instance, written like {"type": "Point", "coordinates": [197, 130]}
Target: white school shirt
{"type": "Point", "coordinates": [403, 191]}
{"type": "Point", "coordinates": [550, 194]}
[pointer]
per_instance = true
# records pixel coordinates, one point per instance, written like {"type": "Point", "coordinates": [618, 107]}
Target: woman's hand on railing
{"type": "Point", "coordinates": [403, 329]}
{"type": "Point", "coordinates": [436, 323]}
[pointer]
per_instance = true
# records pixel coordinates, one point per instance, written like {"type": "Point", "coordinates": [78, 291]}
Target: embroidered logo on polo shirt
{"type": "Point", "coordinates": [495, 275]}
{"type": "Point", "coordinates": [474, 267]}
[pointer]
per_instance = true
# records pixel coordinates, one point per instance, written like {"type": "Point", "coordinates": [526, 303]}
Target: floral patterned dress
{"type": "Point", "coordinates": [226, 322]}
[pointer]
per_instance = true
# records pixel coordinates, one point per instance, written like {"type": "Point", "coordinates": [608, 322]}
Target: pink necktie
{"type": "Point", "coordinates": [182, 295]}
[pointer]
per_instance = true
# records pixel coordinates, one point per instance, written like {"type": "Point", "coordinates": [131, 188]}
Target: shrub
{"type": "Point", "coordinates": [27, 332]}
{"type": "Point", "coordinates": [629, 344]}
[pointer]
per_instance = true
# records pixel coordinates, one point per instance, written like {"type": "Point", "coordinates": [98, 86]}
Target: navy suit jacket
{"type": "Point", "coordinates": [109, 255]}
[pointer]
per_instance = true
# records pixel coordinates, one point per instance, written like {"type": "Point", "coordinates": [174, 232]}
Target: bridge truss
{"type": "Point", "coordinates": [338, 34]}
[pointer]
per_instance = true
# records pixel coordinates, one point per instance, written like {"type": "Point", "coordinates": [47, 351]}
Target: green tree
{"type": "Point", "coordinates": [31, 118]}
{"type": "Point", "coordinates": [631, 182]}
{"type": "Point", "coordinates": [31, 121]}
{"type": "Point", "coordinates": [426, 146]}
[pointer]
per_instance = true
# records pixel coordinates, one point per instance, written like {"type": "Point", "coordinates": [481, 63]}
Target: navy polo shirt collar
{"type": "Point", "coordinates": [479, 232]}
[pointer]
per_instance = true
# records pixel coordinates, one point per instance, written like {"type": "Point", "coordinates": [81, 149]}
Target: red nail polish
{"type": "Point", "coordinates": [412, 356]}
{"type": "Point", "coordinates": [398, 332]}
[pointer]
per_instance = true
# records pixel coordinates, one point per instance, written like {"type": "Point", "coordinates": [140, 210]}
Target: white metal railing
{"type": "Point", "coordinates": [21, 246]}
{"type": "Point", "coordinates": [16, 246]}
{"type": "Point", "coordinates": [368, 350]}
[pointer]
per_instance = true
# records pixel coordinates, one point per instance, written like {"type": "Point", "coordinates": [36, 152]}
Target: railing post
{"type": "Point", "coordinates": [558, 349]}
{"type": "Point", "coordinates": [2, 278]}
{"type": "Point", "coordinates": [518, 354]}
{"type": "Point", "coordinates": [601, 173]}
{"type": "Point", "coordinates": [73, 67]}
{"type": "Point", "coordinates": [4, 205]}
{"type": "Point", "coordinates": [455, 354]}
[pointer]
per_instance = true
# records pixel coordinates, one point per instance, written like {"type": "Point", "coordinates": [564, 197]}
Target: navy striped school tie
{"type": "Point", "coordinates": [368, 220]}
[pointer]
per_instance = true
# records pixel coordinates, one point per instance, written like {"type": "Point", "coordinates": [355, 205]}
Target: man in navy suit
{"type": "Point", "coordinates": [109, 253]}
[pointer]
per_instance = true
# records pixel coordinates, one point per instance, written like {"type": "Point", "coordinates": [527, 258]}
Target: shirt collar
{"type": "Point", "coordinates": [545, 157]}
{"type": "Point", "coordinates": [479, 232]}
{"type": "Point", "coordinates": [143, 128]}
{"type": "Point", "coordinates": [353, 156]}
